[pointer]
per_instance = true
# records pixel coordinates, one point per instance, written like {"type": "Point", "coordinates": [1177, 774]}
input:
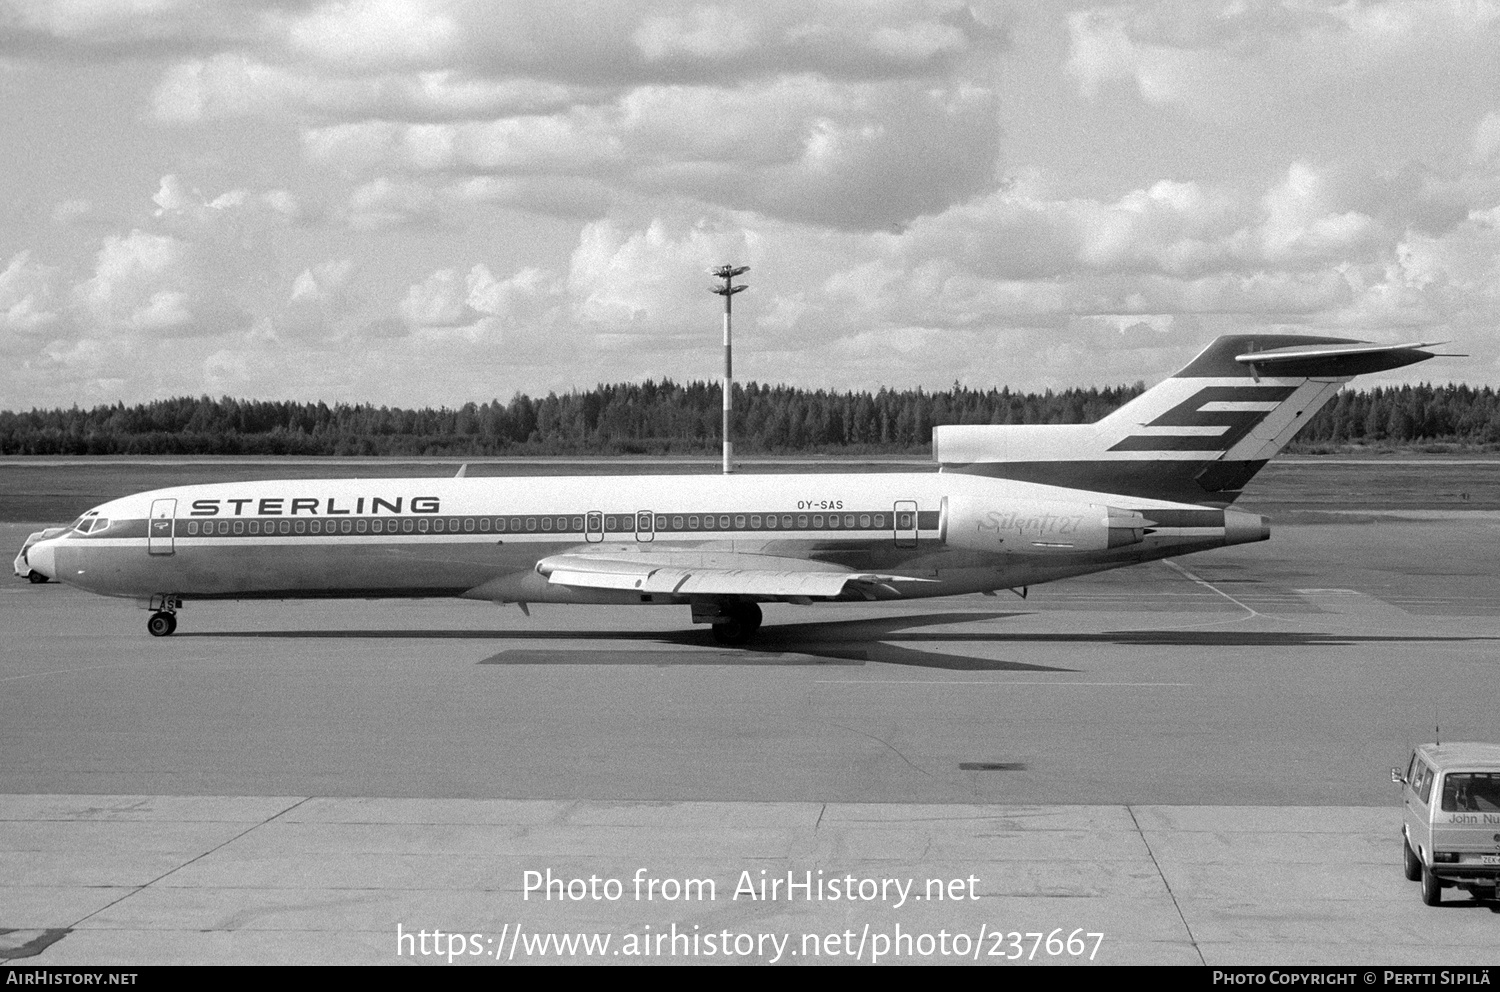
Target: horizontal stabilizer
{"type": "Point", "coordinates": [1336, 360]}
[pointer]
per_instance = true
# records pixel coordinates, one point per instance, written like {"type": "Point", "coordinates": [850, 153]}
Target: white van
{"type": "Point", "coordinates": [1450, 837]}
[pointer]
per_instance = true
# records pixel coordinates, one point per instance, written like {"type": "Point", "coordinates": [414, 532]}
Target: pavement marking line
{"type": "Point", "coordinates": [136, 890]}
{"type": "Point", "coordinates": [1209, 586]}
{"type": "Point", "coordinates": [1166, 885]}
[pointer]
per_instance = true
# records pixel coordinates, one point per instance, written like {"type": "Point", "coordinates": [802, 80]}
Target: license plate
{"type": "Point", "coordinates": [1489, 859]}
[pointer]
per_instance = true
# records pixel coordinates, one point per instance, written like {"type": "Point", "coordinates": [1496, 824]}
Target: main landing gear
{"type": "Point", "coordinates": [164, 621]}
{"type": "Point", "coordinates": [737, 623]}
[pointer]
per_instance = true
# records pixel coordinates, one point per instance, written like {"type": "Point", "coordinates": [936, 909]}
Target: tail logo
{"type": "Point", "coordinates": [1234, 409]}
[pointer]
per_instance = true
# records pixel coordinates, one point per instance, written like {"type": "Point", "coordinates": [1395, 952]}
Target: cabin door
{"type": "Point", "coordinates": [906, 523]}
{"type": "Point", "coordinates": [159, 528]}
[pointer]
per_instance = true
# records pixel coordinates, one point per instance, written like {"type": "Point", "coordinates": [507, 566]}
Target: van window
{"type": "Point", "coordinates": [1411, 767]}
{"type": "Point", "coordinates": [1471, 792]}
{"type": "Point", "coordinates": [1427, 776]}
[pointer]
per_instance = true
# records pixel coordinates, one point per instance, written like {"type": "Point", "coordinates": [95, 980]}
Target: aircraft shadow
{"type": "Point", "coordinates": [839, 642]}
{"type": "Point", "coordinates": [845, 642]}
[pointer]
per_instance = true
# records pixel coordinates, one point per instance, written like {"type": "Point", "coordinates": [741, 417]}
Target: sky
{"type": "Point", "coordinates": [428, 202]}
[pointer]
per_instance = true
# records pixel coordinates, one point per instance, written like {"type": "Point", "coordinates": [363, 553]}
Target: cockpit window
{"type": "Point", "coordinates": [90, 524]}
{"type": "Point", "coordinates": [100, 523]}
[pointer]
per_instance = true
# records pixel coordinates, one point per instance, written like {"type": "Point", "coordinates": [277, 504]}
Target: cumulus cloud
{"type": "Point", "coordinates": [1222, 56]}
{"type": "Point", "coordinates": [27, 303]}
{"type": "Point", "coordinates": [137, 284]}
{"type": "Point", "coordinates": [318, 299]}
{"type": "Point", "coordinates": [177, 204]}
{"type": "Point", "coordinates": [803, 148]}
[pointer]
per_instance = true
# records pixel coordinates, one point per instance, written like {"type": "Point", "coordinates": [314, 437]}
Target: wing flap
{"type": "Point", "coordinates": [715, 575]}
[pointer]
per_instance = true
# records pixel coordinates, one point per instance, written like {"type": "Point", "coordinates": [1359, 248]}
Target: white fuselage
{"type": "Point", "coordinates": [484, 537]}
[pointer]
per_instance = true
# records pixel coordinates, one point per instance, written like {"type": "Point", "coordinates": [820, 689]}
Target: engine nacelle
{"type": "Point", "coordinates": [1042, 527]}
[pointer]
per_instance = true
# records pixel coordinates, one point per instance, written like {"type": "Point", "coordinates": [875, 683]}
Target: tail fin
{"type": "Point", "coordinates": [1197, 437]}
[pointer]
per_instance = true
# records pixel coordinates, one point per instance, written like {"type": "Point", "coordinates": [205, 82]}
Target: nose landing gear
{"type": "Point", "coordinates": [164, 621]}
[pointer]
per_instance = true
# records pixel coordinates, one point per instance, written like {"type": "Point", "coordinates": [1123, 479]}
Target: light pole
{"type": "Point", "coordinates": [727, 273]}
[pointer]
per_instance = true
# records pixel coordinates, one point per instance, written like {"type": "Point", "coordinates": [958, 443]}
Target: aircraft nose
{"type": "Point", "coordinates": [41, 559]}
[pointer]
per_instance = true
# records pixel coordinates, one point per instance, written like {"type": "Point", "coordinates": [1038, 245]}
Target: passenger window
{"type": "Point", "coordinates": [1427, 777]}
{"type": "Point", "coordinates": [192, 526]}
{"type": "Point", "coordinates": [468, 525]}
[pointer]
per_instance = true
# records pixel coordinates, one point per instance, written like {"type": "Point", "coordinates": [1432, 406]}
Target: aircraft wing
{"type": "Point", "coordinates": [721, 574]}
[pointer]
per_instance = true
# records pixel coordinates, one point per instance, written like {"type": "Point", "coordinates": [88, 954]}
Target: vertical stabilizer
{"type": "Point", "coordinates": [1196, 437]}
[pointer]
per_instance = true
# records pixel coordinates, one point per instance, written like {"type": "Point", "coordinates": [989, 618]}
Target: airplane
{"type": "Point", "coordinates": [1010, 507]}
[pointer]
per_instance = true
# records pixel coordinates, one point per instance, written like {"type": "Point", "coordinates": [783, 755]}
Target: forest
{"type": "Point", "coordinates": [668, 418]}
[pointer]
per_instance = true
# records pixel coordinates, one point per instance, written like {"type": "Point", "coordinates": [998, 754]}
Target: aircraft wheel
{"type": "Point", "coordinates": [1432, 889]}
{"type": "Point", "coordinates": [37, 578]}
{"type": "Point", "coordinates": [1409, 861]}
{"type": "Point", "coordinates": [740, 624]}
{"type": "Point", "coordinates": [161, 624]}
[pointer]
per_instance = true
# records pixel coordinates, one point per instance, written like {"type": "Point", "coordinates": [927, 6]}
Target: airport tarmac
{"type": "Point", "coordinates": [1190, 757]}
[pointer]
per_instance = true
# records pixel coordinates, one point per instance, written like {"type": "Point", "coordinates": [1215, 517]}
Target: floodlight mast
{"type": "Point", "coordinates": [727, 273]}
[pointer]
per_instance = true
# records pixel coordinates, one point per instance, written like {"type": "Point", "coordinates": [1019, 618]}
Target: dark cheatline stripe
{"type": "Point", "coordinates": [1166, 442]}
{"type": "Point", "coordinates": [1195, 480]}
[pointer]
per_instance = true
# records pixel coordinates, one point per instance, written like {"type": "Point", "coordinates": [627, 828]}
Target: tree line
{"type": "Point", "coordinates": [668, 418]}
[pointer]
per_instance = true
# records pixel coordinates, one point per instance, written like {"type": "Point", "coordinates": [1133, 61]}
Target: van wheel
{"type": "Point", "coordinates": [1409, 861]}
{"type": "Point", "coordinates": [1432, 889]}
{"type": "Point", "coordinates": [37, 578]}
